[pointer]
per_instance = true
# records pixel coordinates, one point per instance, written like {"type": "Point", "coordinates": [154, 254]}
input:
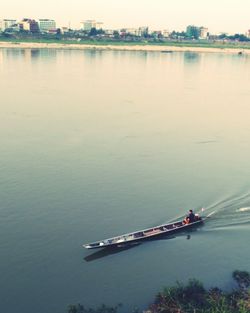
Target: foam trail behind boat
{"type": "Point", "coordinates": [247, 209]}
{"type": "Point", "coordinates": [210, 214]}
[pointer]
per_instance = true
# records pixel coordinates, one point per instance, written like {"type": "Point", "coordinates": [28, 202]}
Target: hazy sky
{"type": "Point", "coordinates": [231, 16]}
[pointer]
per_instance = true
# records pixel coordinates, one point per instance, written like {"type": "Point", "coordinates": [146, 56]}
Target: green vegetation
{"type": "Point", "coordinates": [191, 44]}
{"type": "Point", "coordinates": [192, 298]}
{"type": "Point", "coordinates": [238, 37]}
{"type": "Point", "coordinates": [102, 309]}
{"type": "Point", "coordinates": [96, 37]}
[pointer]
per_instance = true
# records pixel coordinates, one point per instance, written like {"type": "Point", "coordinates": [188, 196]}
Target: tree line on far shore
{"type": "Point", "coordinates": [100, 34]}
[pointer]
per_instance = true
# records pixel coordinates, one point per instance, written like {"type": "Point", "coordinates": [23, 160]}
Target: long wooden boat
{"type": "Point", "coordinates": [143, 235]}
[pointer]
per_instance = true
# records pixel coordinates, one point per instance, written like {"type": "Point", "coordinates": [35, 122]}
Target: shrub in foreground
{"type": "Point", "coordinates": [192, 298]}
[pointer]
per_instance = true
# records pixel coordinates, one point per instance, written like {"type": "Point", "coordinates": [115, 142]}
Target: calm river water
{"type": "Point", "coordinates": [99, 143]}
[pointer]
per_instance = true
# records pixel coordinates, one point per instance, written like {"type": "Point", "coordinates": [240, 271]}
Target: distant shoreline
{"type": "Point", "coordinates": [117, 47]}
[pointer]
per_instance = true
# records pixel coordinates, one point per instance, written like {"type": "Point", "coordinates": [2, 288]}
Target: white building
{"type": "Point", "coordinates": [131, 31]}
{"type": "Point", "coordinates": [89, 24]}
{"type": "Point", "coordinates": [109, 32]}
{"type": "Point", "coordinates": [29, 25]}
{"type": "Point", "coordinates": [6, 23]}
{"type": "Point", "coordinates": [166, 33]}
{"type": "Point", "coordinates": [64, 29]}
{"type": "Point", "coordinates": [143, 31]}
{"type": "Point", "coordinates": [46, 25]}
{"type": "Point", "coordinates": [25, 25]}
{"type": "Point", "coordinates": [99, 25]}
{"type": "Point", "coordinates": [204, 33]}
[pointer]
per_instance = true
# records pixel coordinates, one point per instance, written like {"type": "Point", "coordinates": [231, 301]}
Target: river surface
{"type": "Point", "coordinates": [99, 143]}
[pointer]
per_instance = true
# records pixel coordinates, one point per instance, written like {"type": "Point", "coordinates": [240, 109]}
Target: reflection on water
{"type": "Point", "coordinates": [114, 250]}
{"type": "Point", "coordinates": [48, 54]}
{"type": "Point", "coordinates": [28, 54]}
{"type": "Point", "coordinates": [108, 251]}
{"type": "Point", "coordinates": [191, 57]}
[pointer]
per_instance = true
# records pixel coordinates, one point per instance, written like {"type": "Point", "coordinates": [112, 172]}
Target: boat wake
{"type": "Point", "coordinates": [231, 212]}
{"type": "Point", "coordinates": [243, 209]}
{"type": "Point", "coordinates": [228, 214]}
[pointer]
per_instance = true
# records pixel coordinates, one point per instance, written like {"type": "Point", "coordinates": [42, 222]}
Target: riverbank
{"type": "Point", "coordinates": [191, 298]}
{"type": "Point", "coordinates": [167, 48]}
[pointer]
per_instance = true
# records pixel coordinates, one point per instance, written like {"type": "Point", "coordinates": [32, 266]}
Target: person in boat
{"type": "Point", "coordinates": [190, 218]}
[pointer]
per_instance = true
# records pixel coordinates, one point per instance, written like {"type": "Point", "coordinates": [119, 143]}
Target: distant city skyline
{"type": "Point", "coordinates": [229, 16]}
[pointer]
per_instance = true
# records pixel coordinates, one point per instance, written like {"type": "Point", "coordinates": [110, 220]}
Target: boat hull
{"type": "Point", "coordinates": [144, 235]}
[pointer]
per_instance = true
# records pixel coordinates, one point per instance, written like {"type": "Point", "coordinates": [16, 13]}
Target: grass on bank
{"type": "Point", "coordinates": [191, 298]}
{"type": "Point", "coordinates": [191, 44]}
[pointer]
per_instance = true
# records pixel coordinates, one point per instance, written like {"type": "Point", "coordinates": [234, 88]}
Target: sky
{"type": "Point", "coordinates": [231, 16]}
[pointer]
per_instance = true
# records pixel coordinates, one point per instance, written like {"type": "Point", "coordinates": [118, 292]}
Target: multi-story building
{"type": "Point", "coordinates": [166, 33]}
{"type": "Point", "coordinates": [109, 32]}
{"type": "Point", "coordinates": [196, 32]}
{"type": "Point", "coordinates": [143, 31]}
{"type": "Point", "coordinates": [89, 24]}
{"type": "Point", "coordinates": [193, 32]}
{"type": "Point", "coordinates": [248, 34]}
{"type": "Point", "coordinates": [29, 25]}
{"type": "Point", "coordinates": [46, 25]}
{"type": "Point", "coordinates": [24, 25]}
{"type": "Point", "coordinates": [140, 32]}
{"type": "Point", "coordinates": [131, 31]}
{"type": "Point", "coordinates": [64, 29]}
{"type": "Point", "coordinates": [203, 33]}
{"type": "Point", "coordinates": [6, 23]}
{"type": "Point", "coordinates": [99, 25]}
